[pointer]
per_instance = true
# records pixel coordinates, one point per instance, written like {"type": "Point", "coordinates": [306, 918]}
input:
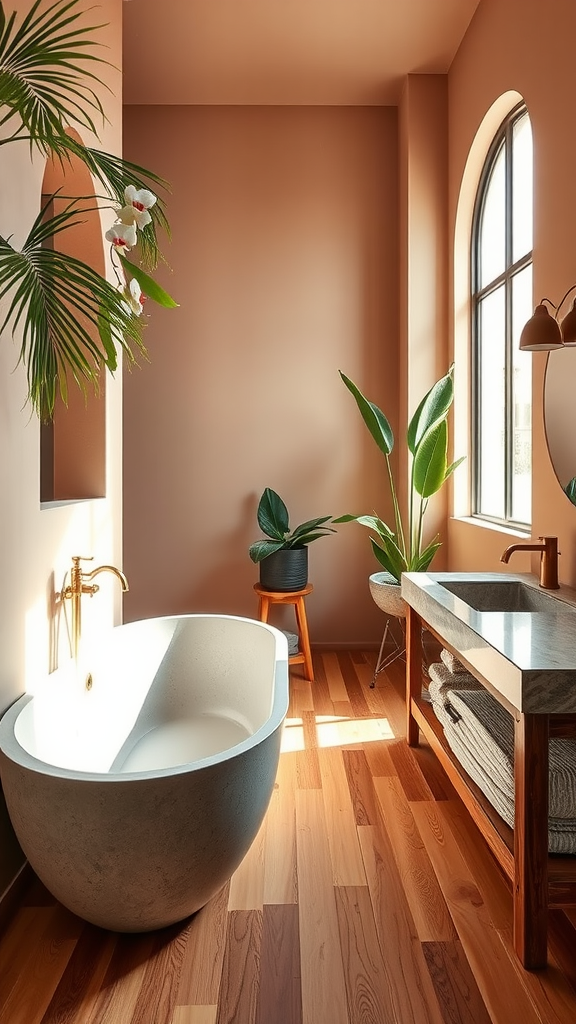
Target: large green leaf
{"type": "Point", "coordinates": [433, 408]}
{"type": "Point", "coordinates": [262, 548]}
{"type": "Point", "coordinates": [570, 490]}
{"type": "Point", "coordinates": [430, 462]}
{"type": "Point", "coordinates": [454, 465]}
{"type": "Point", "coordinates": [272, 515]}
{"type": "Point", "coordinates": [373, 417]}
{"type": "Point", "coordinates": [150, 288]}
{"type": "Point", "coordinates": [310, 530]}
{"type": "Point", "coordinates": [372, 522]}
{"type": "Point", "coordinates": [382, 528]}
{"type": "Point", "coordinates": [306, 538]}
{"type": "Point", "coordinates": [389, 555]}
{"type": "Point", "coordinates": [422, 560]}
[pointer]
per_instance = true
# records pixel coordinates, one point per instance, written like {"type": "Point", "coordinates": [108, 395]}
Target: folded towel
{"type": "Point", "coordinates": [293, 642]}
{"type": "Point", "coordinates": [442, 680]}
{"type": "Point", "coordinates": [481, 734]}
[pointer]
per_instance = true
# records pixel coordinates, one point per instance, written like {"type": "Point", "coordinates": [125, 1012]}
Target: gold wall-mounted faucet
{"type": "Point", "coordinates": [548, 548]}
{"type": "Point", "coordinates": [80, 583]}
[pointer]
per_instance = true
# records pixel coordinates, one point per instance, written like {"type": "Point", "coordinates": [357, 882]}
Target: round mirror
{"type": "Point", "coordinates": [560, 417]}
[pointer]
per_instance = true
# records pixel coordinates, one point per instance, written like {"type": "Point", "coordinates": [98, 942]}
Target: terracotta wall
{"type": "Point", "coordinates": [284, 261]}
{"type": "Point", "coordinates": [36, 543]}
{"type": "Point", "coordinates": [513, 49]}
{"type": "Point", "coordinates": [423, 285]}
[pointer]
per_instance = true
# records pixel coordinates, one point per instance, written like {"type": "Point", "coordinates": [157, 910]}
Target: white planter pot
{"type": "Point", "coordinates": [385, 591]}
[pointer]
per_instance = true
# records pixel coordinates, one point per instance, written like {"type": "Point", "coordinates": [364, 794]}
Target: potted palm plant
{"type": "Point", "coordinates": [74, 323]}
{"type": "Point", "coordinates": [283, 553]}
{"type": "Point", "coordinates": [402, 547]}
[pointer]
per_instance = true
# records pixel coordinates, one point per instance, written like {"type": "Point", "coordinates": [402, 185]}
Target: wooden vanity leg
{"type": "Point", "coordinates": [413, 672]}
{"type": "Point", "coordinates": [531, 840]}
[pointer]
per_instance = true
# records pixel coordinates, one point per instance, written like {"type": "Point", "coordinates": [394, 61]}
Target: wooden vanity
{"type": "Point", "coordinates": [539, 881]}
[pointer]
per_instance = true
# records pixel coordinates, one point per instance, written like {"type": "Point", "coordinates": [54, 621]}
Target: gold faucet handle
{"type": "Point", "coordinates": [82, 558]}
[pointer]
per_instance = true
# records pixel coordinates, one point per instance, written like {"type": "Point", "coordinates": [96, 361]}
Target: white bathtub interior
{"type": "Point", "coordinates": [164, 692]}
{"type": "Point", "coordinates": [174, 743]}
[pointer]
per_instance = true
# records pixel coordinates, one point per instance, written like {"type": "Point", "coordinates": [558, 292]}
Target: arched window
{"type": "Point", "coordinates": [501, 304]}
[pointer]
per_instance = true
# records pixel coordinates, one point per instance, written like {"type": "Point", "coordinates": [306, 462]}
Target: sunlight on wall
{"type": "Point", "coordinates": [36, 644]}
{"type": "Point", "coordinates": [334, 731]}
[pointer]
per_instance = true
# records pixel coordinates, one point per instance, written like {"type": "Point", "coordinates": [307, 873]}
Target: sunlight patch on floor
{"type": "Point", "coordinates": [335, 731]}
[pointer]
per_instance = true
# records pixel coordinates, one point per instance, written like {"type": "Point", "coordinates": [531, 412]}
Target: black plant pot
{"type": "Point", "coordinates": [285, 570]}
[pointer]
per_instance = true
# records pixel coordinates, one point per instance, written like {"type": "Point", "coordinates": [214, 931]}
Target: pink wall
{"type": "Point", "coordinates": [284, 261]}
{"type": "Point", "coordinates": [527, 48]}
{"type": "Point", "coordinates": [423, 285]}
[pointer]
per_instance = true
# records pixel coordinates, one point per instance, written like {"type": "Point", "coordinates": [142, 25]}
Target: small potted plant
{"type": "Point", "coordinates": [283, 554]}
{"type": "Point", "coordinates": [402, 547]}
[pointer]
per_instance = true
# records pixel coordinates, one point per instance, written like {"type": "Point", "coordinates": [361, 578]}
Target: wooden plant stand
{"type": "Point", "coordinates": [295, 597]}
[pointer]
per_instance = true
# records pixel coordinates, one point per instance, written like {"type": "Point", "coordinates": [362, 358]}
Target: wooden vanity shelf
{"type": "Point", "coordinates": [539, 881]}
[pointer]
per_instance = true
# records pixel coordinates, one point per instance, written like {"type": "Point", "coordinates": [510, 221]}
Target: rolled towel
{"type": "Point", "coordinates": [451, 662]}
{"type": "Point", "coordinates": [442, 680]}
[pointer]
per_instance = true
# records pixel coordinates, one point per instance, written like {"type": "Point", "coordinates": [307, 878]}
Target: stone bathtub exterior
{"type": "Point", "coordinates": [135, 799]}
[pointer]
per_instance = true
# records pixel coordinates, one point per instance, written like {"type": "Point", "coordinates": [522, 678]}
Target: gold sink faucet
{"type": "Point", "coordinates": [548, 548]}
{"type": "Point", "coordinates": [80, 583]}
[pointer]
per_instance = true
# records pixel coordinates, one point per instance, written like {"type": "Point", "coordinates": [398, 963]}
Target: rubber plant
{"type": "Point", "coordinates": [273, 520]}
{"type": "Point", "coordinates": [401, 547]}
{"type": "Point", "coordinates": [74, 323]}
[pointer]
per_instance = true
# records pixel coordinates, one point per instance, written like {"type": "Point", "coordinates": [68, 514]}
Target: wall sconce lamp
{"type": "Point", "coordinates": [543, 333]}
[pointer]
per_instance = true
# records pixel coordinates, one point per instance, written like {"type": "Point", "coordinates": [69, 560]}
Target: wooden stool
{"type": "Point", "coordinates": [295, 597]}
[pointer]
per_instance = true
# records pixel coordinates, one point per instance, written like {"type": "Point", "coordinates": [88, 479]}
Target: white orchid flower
{"type": "Point", "coordinates": [138, 203]}
{"type": "Point", "coordinates": [130, 215]}
{"type": "Point", "coordinates": [134, 297]}
{"type": "Point", "coordinates": [122, 236]}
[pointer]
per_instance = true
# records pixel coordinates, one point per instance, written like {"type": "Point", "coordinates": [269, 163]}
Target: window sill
{"type": "Point", "coordinates": [485, 524]}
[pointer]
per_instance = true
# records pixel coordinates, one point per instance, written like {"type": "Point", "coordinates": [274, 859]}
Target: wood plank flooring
{"type": "Point", "coordinates": [368, 897]}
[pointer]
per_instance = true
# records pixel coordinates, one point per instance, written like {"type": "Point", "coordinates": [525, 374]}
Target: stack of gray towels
{"type": "Point", "coordinates": [480, 732]}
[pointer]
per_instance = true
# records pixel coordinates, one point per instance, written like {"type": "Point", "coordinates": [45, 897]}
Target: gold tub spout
{"type": "Point", "coordinates": [548, 548]}
{"type": "Point", "coordinates": [80, 583]}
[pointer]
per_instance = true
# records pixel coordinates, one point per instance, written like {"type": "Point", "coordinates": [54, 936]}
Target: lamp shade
{"type": "Point", "coordinates": [568, 326]}
{"type": "Point", "coordinates": [541, 333]}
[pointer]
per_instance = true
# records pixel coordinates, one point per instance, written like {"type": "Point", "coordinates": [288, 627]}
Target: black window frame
{"type": "Point", "coordinates": [502, 139]}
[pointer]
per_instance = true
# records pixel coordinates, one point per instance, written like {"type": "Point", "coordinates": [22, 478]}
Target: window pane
{"type": "Point", "coordinates": [521, 188]}
{"type": "Point", "coordinates": [491, 402]}
{"type": "Point", "coordinates": [521, 401]}
{"type": "Point", "coordinates": [493, 224]}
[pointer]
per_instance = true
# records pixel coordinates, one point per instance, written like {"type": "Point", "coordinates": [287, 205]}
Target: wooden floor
{"type": "Point", "coordinates": [367, 898]}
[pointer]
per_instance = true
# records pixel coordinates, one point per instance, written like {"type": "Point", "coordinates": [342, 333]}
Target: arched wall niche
{"type": "Point", "coordinates": [73, 446]}
{"type": "Point", "coordinates": [462, 282]}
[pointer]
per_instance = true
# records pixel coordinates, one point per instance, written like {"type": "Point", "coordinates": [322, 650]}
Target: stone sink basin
{"type": "Point", "coordinates": [503, 596]}
{"type": "Point", "coordinates": [513, 635]}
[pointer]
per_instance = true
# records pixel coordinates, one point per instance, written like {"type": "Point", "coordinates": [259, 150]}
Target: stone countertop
{"type": "Point", "coordinates": [527, 657]}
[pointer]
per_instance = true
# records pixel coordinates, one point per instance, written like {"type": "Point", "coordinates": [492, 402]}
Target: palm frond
{"type": "Point", "coordinates": [44, 79]}
{"type": "Point", "coordinates": [73, 321]}
{"type": "Point", "coordinates": [114, 174]}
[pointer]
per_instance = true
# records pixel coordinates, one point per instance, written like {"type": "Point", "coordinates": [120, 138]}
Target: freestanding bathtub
{"type": "Point", "coordinates": [137, 781]}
